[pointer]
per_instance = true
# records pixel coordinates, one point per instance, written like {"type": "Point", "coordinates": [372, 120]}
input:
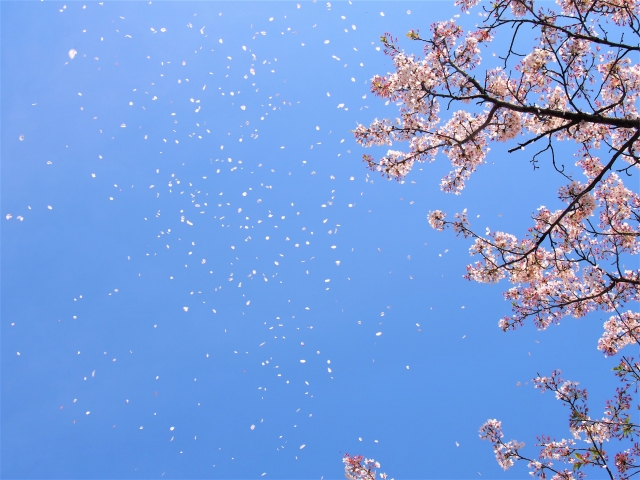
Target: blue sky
{"type": "Point", "coordinates": [200, 278]}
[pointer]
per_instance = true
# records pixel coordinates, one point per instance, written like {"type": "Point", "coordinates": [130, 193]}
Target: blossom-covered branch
{"type": "Point", "coordinates": [616, 424]}
{"type": "Point", "coordinates": [359, 468]}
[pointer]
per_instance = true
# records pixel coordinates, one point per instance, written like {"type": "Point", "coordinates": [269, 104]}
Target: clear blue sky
{"type": "Point", "coordinates": [149, 327]}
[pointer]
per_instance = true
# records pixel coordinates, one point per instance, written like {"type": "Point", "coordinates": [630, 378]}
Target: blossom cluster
{"type": "Point", "coordinates": [505, 453]}
{"type": "Point", "coordinates": [357, 467]}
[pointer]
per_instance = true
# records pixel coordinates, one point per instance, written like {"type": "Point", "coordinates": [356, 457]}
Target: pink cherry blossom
{"type": "Point", "coordinates": [359, 468]}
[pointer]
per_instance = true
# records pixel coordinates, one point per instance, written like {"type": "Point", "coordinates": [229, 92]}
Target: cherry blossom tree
{"type": "Point", "coordinates": [579, 83]}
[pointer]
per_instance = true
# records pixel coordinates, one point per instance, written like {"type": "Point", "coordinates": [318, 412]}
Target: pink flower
{"type": "Point", "coordinates": [436, 219]}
